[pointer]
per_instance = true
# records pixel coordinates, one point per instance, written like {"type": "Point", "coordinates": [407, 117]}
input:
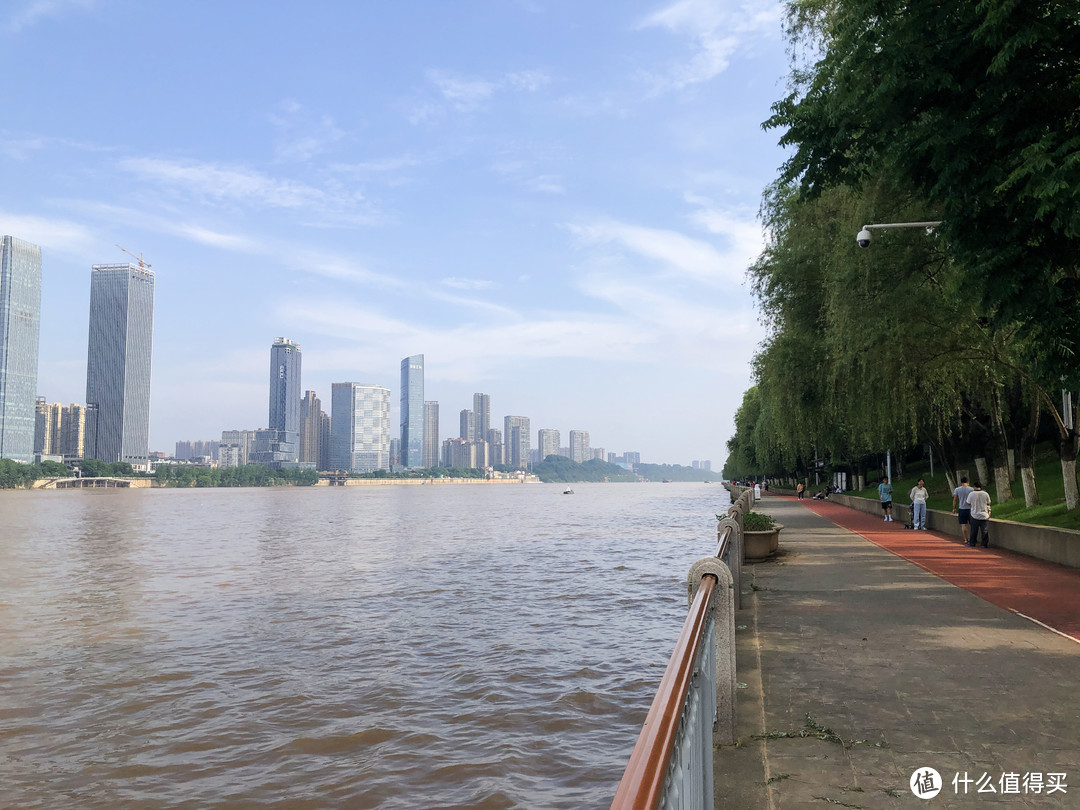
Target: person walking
{"type": "Point", "coordinates": [979, 504]}
{"type": "Point", "coordinates": [918, 495]}
{"type": "Point", "coordinates": [799, 490]}
{"type": "Point", "coordinates": [960, 506]}
{"type": "Point", "coordinates": [885, 493]}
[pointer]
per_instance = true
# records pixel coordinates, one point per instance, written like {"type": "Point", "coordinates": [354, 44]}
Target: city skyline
{"type": "Point", "coordinates": [555, 202]}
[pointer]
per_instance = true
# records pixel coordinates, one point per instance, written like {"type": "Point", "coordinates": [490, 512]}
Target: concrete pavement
{"type": "Point", "coordinates": [862, 667]}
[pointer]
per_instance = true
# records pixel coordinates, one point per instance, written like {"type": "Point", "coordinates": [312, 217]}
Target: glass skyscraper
{"type": "Point", "coordinates": [412, 411]}
{"type": "Point", "coordinates": [118, 363]}
{"type": "Point", "coordinates": [20, 330]}
{"type": "Point", "coordinates": [279, 444]}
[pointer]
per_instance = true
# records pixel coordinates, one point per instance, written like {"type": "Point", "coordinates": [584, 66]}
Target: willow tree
{"type": "Point", "coordinates": [974, 105]}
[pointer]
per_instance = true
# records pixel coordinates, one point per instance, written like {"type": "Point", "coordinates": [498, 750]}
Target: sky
{"type": "Point", "coordinates": [554, 201]}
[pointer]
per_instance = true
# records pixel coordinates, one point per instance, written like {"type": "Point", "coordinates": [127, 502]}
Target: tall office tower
{"type": "Point", "coordinates": [118, 363]}
{"type": "Point", "coordinates": [20, 330]}
{"type": "Point", "coordinates": [518, 448]}
{"type": "Point", "coordinates": [548, 442]}
{"type": "Point", "coordinates": [324, 442]}
{"type": "Point", "coordinates": [310, 428]}
{"type": "Point", "coordinates": [481, 405]}
{"type": "Point", "coordinates": [431, 435]}
{"type": "Point", "coordinates": [412, 411]}
{"type": "Point", "coordinates": [496, 449]}
{"type": "Point", "coordinates": [468, 425]}
{"type": "Point", "coordinates": [579, 446]}
{"type": "Point", "coordinates": [395, 453]}
{"type": "Point", "coordinates": [359, 427]}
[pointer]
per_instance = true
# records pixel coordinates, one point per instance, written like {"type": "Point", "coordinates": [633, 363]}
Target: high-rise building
{"type": "Point", "coordinates": [632, 457]}
{"type": "Point", "coordinates": [359, 427]}
{"type": "Point", "coordinates": [495, 446]}
{"type": "Point", "coordinates": [412, 411]}
{"type": "Point", "coordinates": [311, 413]}
{"type": "Point", "coordinates": [548, 442]}
{"type": "Point", "coordinates": [517, 448]}
{"type": "Point", "coordinates": [278, 445]}
{"type": "Point", "coordinates": [481, 405]}
{"type": "Point", "coordinates": [467, 421]}
{"type": "Point", "coordinates": [118, 363]}
{"type": "Point", "coordinates": [243, 441]}
{"type": "Point", "coordinates": [431, 434]}
{"type": "Point", "coordinates": [459, 453]}
{"type": "Point", "coordinates": [20, 330]}
{"type": "Point", "coordinates": [579, 446]}
{"type": "Point", "coordinates": [599, 453]}
{"type": "Point", "coordinates": [324, 442]}
{"type": "Point", "coordinates": [395, 452]}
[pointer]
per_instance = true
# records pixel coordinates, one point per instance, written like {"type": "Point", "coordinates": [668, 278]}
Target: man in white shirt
{"type": "Point", "coordinates": [959, 505]}
{"type": "Point", "coordinates": [979, 504]}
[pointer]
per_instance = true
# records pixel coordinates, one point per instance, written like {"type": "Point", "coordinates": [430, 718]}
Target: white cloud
{"type": "Point", "coordinates": [678, 254]}
{"type": "Point", "coordinates": [462, 94]}
{"type": "Point", "coordinates": [62, 235]}
{"type": "Point", "coordinates": [717, 28]}
{"type": "Point", "coordinates": [468, 95]}
{"type": "Point", "coordinates": [224, 182]}
{"type": "Point", "coordinates": [469, 283]}
{"type": "Point", "coordinates": [30, 14]}
{"type": "Point", "coordinates": [301, 134]}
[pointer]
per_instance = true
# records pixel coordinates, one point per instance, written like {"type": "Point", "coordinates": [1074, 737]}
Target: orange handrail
{"type": "Point", "coordinates": [643, 780]}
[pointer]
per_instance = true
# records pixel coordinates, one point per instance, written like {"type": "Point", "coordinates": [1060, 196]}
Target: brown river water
{"type": "Point", "coordinates": [365, 647]}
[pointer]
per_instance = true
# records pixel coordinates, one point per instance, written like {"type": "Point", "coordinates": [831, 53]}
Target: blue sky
{"type": "Point", "coordinates": [555, 201]}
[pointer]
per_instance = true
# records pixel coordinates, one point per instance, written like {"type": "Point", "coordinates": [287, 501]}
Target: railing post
{"type": "Point", "coordinates": [723, 639]}
{"type": "Point", "coordinates": [734, 553]}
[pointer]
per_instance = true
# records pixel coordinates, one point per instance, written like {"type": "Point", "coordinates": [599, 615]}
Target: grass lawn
{"type": "Point", "coordinates": [1050, 512]}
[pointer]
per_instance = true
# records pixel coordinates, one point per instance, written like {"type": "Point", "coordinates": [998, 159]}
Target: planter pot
{"type": "Point", "coordinates": [761, 545]}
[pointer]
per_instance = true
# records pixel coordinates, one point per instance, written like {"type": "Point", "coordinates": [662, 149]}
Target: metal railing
{"type": "Point", "coordinates": [671, 765]}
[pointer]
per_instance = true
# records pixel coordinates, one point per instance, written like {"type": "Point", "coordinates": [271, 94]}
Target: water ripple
{"type": "Point", "coordinates": [389, 647]}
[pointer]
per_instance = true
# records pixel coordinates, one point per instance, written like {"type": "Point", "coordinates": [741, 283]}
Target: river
{"type": "Point", "coordinates": [361, 647]}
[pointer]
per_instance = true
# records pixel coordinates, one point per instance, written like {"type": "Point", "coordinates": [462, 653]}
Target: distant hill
{"type": "Point", "coordinates": [675, 472]}
{"type": "Point", "coordinates": [561, 469]}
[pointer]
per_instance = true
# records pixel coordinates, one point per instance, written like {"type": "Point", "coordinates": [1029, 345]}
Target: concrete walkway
{"type": "Point", "coordinates": [862, 667]}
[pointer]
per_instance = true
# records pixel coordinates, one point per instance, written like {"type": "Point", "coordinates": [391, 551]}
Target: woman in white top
{"type": "Point", "coordinates": [919, 493]}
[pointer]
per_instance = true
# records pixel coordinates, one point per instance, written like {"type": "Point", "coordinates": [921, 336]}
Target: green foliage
{"type": "Point", "coordinates": [758, 522]}
{"type": "Point", "coordinates": [561, 469]}
{"type": "Point", "coordinates": [973, 107]}
{"type": "Point", "coordinates": [251, 475]}
{"type": "Point", "coordinates": [675, 472]}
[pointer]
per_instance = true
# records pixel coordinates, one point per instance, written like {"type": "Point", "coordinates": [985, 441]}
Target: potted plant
{"type": "Point", "coordinates": [761, 536]}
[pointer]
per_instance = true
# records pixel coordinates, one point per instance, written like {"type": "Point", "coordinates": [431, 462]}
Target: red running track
{"type": "Point", "coordinates": [1042, 591]}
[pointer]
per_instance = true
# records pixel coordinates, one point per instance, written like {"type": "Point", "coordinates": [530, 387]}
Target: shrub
{"type": "Point", "coordinates": [758, 522]}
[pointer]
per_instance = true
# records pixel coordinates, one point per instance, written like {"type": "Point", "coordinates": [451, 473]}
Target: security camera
{"type": "Point", "coordinates": [863, 238]}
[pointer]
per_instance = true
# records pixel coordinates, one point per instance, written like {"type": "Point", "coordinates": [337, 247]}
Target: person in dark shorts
{"type": "Point", "coordinates": [960, 506]}
{"type": "Point", "coordinates": [885, 493]}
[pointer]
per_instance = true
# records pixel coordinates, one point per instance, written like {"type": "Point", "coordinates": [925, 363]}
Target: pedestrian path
{"type": "Point", "coordinates": [1037, 589]}
{"type": "Point", "coordinates": [863, 661]}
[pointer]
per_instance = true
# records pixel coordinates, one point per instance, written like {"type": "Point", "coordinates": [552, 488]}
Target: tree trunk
{"type": "Point", "coordinates": [1068, 471]}
{"type": "Point", "coordinates": [1027, 454]}
{"type": "Point", "coordinates": [1000, 451]}
{"type": "Point", "coordinates": [982, 471]}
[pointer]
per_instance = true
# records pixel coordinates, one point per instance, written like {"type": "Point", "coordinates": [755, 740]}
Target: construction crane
{"type": "Point", "coordinates": [142, 264]}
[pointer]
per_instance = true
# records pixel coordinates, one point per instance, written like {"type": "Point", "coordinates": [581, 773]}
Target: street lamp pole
{"type": "Point", "coordinates": [863, 237]}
